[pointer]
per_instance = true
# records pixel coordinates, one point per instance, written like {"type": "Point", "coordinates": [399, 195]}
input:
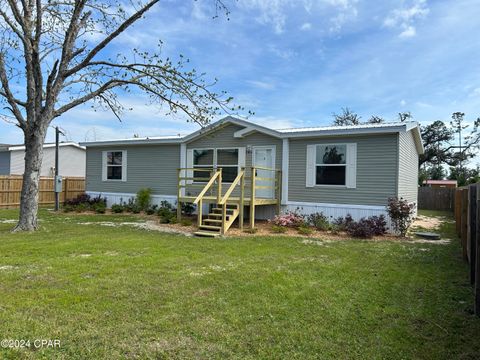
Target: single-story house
{"type": "Point", "coordinates": [71, 160]}
{"type": "Point", "coordinates": [440, 183]}
{"type": "Point", "coordinates": [336, 170]}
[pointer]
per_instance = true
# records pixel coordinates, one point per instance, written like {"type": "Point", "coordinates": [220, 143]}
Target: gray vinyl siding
{"type": "Point", "coordinates": [408, 167]}
{"type": "Point", "coordinates": [377, 161]}
{"type": "Point", "coordinates": [223, 137]}
{"type": "Point", "coordinates": [4, 163]}
{"type": "Point", "coordinates": [148, 166]}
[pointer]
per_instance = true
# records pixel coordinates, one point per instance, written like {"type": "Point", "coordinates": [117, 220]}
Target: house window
{"type": "Point", "coordinates": [202, 159]}
{"type": "Point", "coordinates": [331, 165]}
{"type": "Point", "coordinates": [226, 159]}
{"type": "Point", "coordinates": [115, 163]}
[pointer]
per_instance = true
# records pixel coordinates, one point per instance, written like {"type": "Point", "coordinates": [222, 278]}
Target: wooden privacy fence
{"type": "Point", "coordinates": [467, 220]}
{"type": "Point", "coordinates": [430, 198]}
{"type": "Point", "coordinates": [11, 187]}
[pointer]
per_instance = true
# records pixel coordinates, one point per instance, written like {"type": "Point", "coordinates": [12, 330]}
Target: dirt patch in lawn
{"type": "Point", "coordinates": [427, 222]}
{"type": "Point", "coordinates": [149, 225]}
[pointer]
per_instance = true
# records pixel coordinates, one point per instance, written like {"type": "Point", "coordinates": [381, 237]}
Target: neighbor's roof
{"type": "Point", "coordinates": [45, 146]}
{"type": "Point", "coordinates": [440, 182]}
{"type": "Point", "coordinates": [250, 127]}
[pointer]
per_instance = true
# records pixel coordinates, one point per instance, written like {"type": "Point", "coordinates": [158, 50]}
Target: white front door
{"type": "Point", "coordinates": [264, 156]}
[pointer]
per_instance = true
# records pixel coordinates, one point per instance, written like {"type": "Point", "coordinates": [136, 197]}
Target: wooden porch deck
{"type": "Point", "coordinates": [231, 200]}
{"type": "Point", "coordinates": [230, 204]}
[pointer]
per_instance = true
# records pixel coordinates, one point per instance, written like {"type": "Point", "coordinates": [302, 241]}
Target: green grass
{"type": "Point", "coordinates": [120, 292]}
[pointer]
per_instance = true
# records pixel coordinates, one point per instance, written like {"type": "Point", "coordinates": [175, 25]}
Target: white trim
{"type": "Point", "coordinates": [285, 166]}
{"type": "Point", "coordinates": [243, 132]}
{"type": "Point", "coordinates": [114, 198]}
{"type": "Point", "coordinates": [105, 166]}
{"type": "Point", "coordinates": [350, 166]}
{"type": "Point", "coordinates": [45, 146]}
{"type": "Point", "coordinates": [332, 205]}
{"type": "Point", "coordinates": [183, 164]}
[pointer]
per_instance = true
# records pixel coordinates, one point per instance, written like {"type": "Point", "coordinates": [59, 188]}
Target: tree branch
{"type": "Point", "coordinates": [110, 37]}
{"type": "Point", "coordinates": [8, 94]}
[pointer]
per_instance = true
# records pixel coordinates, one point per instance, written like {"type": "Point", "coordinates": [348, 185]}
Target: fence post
{"type": "Point", "coordinates": [477, 256]}
{"type": "Point", "coordinates": [472, 231]}
{"type": "Point", "coordinates": [464, 223]}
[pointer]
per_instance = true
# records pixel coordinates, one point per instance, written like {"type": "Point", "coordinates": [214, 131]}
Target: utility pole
{"type": "Point", "coordinates": [58, 179]}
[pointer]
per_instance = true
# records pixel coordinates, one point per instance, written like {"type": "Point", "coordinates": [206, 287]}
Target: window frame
{"type": "Point", "coordinates": [215, 165]}
{"type": "Point", "coordinates": [341, 186]}
{"type": "Point", "coordinates": [105, 166]}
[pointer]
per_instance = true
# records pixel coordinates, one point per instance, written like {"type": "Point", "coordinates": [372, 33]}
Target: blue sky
{"type": "Point", "coordinates": [295, 62]}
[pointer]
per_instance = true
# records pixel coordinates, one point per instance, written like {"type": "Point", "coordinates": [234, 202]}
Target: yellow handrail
{"type": "Point", "coordinates": [231, 188]}
{"type": "Point", "coordinates": [205, 189]}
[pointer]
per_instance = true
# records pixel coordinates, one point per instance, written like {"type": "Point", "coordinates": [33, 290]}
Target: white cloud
{"type": "Point", "coordinates": [277, 12]}
{"type": "Point", "coordinates": [403, 102]}
{"type": "Point", "coordinates": [410, 31]}
{"type": "Point", "coordinates": [262, 84]}
{"type": "Point", "coordinates": [306, 26]}
{"type": "Point", "coordinates": [405, 18]}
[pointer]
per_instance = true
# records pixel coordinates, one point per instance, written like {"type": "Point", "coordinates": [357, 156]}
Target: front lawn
{"type": "Point", "coordinates": [109, 292]}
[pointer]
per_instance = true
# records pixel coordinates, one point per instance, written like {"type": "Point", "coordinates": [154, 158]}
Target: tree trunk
{"type": "Point", "coordinates": [28, 220]}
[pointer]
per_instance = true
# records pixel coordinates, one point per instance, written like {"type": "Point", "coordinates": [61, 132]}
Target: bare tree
{"type": "Point", "coordinates": [347, 117]}
{"type": "Point", "coordinates": [50, 63]}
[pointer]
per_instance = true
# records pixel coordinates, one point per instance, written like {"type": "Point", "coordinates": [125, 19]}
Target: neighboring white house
{"type": "Point", "coordinates": [71, 160]}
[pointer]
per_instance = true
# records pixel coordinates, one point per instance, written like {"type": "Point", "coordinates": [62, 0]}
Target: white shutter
{"type": "Point", "coordinates": [104, 165]}
{"type": "Point", "coordinates": [310, 175]}
{"type": "Point", "coordinates": [189, 165]}
{"type": "Point", "coordinates": [351, 166]}
{"type": "Point", "coordinates": [124, 165]}
{"type": "Point", "coordinates": [242, 151]}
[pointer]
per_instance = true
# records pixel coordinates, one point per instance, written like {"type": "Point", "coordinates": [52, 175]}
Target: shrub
{"type": "Point", "coordinates": [117, 208]}
{"type": "Point", "coordinates": [305, 230]}
{"type": "Point", "coordinates": [378, 224]}
{"type": "Point", "coordinates": [128, 206]}
{"type": "Point", "coordinates": [99, 208]}
{"type": "Point", "coordinates": [188, 208]}
{"type": "Point", "coordinates": [82, 207]}
{"type": "Point", "coordinates": [167, 213]}
{"type": "Point", "coordinates": [251, 231]}
{"type": "Point", "coordinates": [342, 223]}
{"type": "Point", "coordinates": [144, 198]}
{"type": "Point", "coordinates": [68, 208]}
{"type": "Point", "coordinates": [186, 222]}
{"type": "Point", "coordinates": [366, 227]}
{"type": "Point", "coordinates": [278, 229]}
{"type": "Point", "coordinates": [401, 213]}
{"type": "Point", "coordinates": [319, 221]}
{"type": "Point", "coordinates": [136, 209]}
{"type": "Point", "coordinates": [290, 219]}
{"type": "Point", "coordinates": [151, 210]}
{"type": "Point", "coordinates": [360, 229]}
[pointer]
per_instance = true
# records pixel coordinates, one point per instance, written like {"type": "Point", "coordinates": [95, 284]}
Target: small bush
{"type": "Point", "coordinates": [305, 230]}
{"type": "Point", "coordinates": [366, 227]}
{"type": "Point", "coordinates": [251, 231]}
{"type": "Point", "coordinates": [378, 224]}
{"type": "Point", "coordinates": [290, 219]}
{"type": "Point", "coordinates": [99, 208]}
{"type": "Point", "coordinates": [85, 202]}
{"type": "Point", "coordinates": [342, 223]}
{"type": "Point", "coordinates": [186, 222]}
{"type": "Point", "coordinates": [117, 208]}
{"type": "Point", "coordinates": [151, 210]}
{"type": "Point", "coordinates": [136, 209]}
{"type": "Point", "coordinates": [278, 229]}
{"type": "Point", "coordinates": [401, 213]}
{"type": "Point", "coordinates": [319, 221]}
{"type": "Point", "coordinates": [128, 206]}
{"type": "Point", "coordinates": [188, 208]}
{"type": "Point", "coordinates": [360, 229]}
{"type": "Point", "coordinates": [144, 198]}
